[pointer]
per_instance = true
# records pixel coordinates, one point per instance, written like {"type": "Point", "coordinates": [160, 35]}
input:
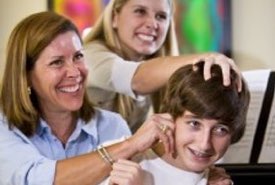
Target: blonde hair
{"type": "Point", "coordinates": [26, 42]}
{"type": "Point", "coordinates": [104, 32]}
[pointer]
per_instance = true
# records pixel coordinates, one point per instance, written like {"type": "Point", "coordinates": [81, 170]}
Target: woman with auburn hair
{"type": "Point", "coordinates": [50, 133]}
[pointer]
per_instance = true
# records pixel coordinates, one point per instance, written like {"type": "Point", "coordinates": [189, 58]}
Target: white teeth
{"type": "Point", "coordinates": [70, 89]}
{"type": "Point", "coordinates": [146, 37]}
{"type": "Point", "coordinates": [200, 154]}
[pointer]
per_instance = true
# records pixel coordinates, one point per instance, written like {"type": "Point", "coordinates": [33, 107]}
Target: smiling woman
{"type": "Point", "coordinates": [63, 63]}
{"type": "Point", "coordinates": [48, 126]}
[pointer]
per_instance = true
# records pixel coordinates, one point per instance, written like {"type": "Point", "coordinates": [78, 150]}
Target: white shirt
{"type": "Point", "coordinates": [159, 172]}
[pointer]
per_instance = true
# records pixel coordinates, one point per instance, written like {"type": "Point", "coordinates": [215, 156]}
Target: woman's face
{"type": "Point", "coordinates": [142, 26]}
{"type": "Point", "coordinates": [199, 142]}
{"type": "Point", "coordinates": [59, 75]}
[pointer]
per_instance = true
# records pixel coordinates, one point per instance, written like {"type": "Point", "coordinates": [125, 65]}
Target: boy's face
{"type": "Point", "coordinates": [199, 142]}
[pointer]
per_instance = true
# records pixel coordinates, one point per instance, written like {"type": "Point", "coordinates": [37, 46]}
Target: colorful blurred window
{"type": "Point", "coordinates": [202, 25]}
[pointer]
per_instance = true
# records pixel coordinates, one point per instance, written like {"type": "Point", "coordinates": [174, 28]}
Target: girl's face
{"type": "Point", "coordinates": [142, 26]}
{"type": "Point", "coordinates": [59, 74]}
{"type": "Point", "coordinates": [199, 142]}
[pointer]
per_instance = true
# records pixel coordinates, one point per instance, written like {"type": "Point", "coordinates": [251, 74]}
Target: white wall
{"type": "Point", "coordinates": [254, 33]}
{"type": "Point", "coordinates": [253, 29]}
{"type": "Point", "coordinates": [11, 12]}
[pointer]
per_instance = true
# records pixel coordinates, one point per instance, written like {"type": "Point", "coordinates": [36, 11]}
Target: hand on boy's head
{"type": "Point", "coordinates": [224, 62]}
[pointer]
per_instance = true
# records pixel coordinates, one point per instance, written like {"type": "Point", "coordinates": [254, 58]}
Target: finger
{"type": "Point", "coordinates": [218, 172]}
{"type": "Point", "coordinates": [126, 172]}
{"type": "Point", "coordinates": [196, 61]}
{"type": "Point", "coordinates": [170, 135]}
{"type": "Point", "coordinates": [226, 75]}
{"type": "Point", "coordinates": [166, 127]}
{"type": "Point", "coordinates": [227, 182]}
{"type": "Point", "coordinates": [238, 72]}
{"type": "Point", "coordinates": [168, 141]}
{"type": "Point", "coordinates": [225, 65]}
{"type": "Point", "coordinates": [208, 62]}
{"type": "Point", "coordinates": [221, 181]}
{"type": "Point", "coordinates": [165, 116]}
{"type": "Point", "coordinates": [226, 72]}
{"type": "Point", "coordinates": [240, 84]}
{"type": "Point", "coordinates": [118, 179]}
{"type": "Point", "coordinates": [125, 165]}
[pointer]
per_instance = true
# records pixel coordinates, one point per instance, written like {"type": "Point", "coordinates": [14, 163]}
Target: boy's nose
{"type": "Point", "coordinates": [205, 141]}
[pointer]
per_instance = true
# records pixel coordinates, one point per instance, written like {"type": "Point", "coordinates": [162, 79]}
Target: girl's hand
{"type": "Point", "coordinates": [224, 62]}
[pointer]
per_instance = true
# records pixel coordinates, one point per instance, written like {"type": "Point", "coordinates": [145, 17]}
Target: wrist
{"type": "Point", "coordinates": [123, 150]}
{"type": "Point", "coordinates": [130, 148]}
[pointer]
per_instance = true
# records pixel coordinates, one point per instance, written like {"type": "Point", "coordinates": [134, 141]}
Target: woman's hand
{"type": "Point", "coordinates": [159, 127]}
{"type": "Point", "coordinates": [218, 176]}
{"type": "Point", "coordinates": [126, 172]}
{"type": "Point", "coordinates": [224, 62]}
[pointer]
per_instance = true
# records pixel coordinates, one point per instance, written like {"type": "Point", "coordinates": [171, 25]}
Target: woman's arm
{"type": "Point", "coordinates": [91, 168]}
{"type": "Point", "coordinates": [108, 72]}
{"type": "Point", "coordinates": [22, 163]}
{"type": "Point", "coordinates": [154, 73]}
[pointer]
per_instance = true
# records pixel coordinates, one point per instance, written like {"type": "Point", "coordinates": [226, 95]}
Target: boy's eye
{"type": "Point", "coordinates": [221, 130]}
{"type": "Point", "coordinates": [194, 124]}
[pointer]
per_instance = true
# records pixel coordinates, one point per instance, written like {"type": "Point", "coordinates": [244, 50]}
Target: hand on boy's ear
{"type": "Point", "coordinates": [157, 128]}
{"type": "Point", "coordinates": [218, 176]}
